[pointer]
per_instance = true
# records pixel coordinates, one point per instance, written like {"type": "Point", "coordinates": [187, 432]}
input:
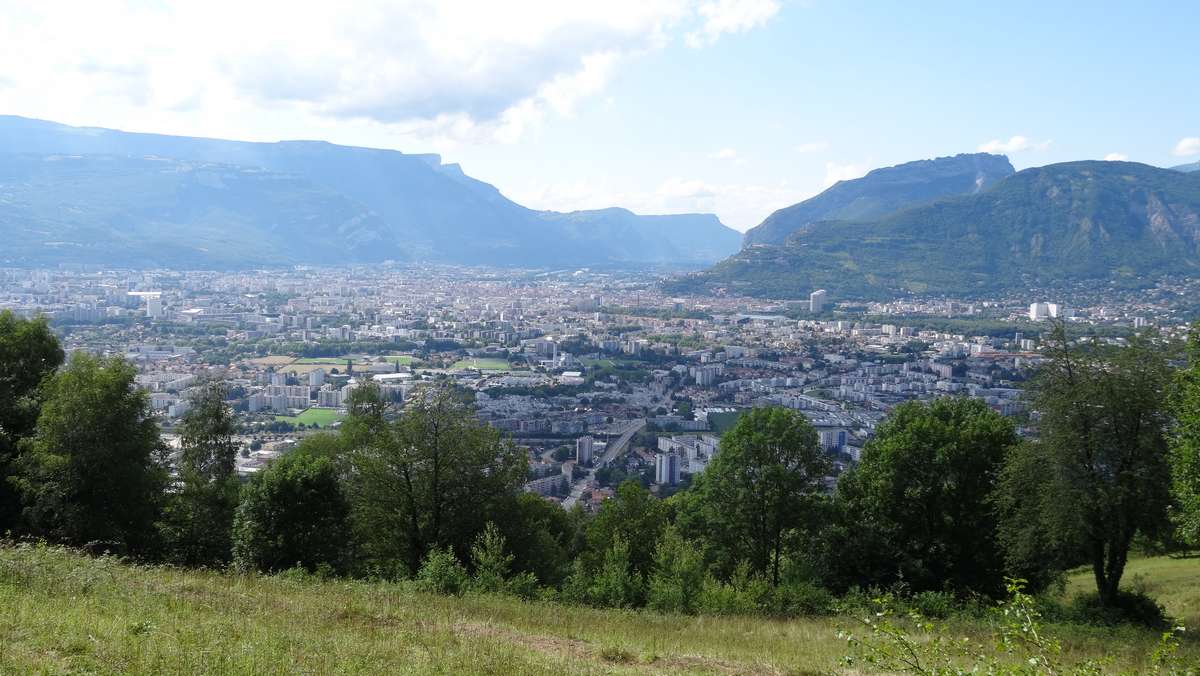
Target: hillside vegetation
{"type": "Point", "coordinates": [885, 191]}
{"type": "Point", "coordinates": [65, 612]}
{"type": "Point", "coordinates": [1122, 223]}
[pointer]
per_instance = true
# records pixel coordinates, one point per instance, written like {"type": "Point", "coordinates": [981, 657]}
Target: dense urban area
{"type": "Point", "coordinates": [598, 375]}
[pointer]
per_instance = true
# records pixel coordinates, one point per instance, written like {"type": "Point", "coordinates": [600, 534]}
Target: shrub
{"type": "Point", "coordinates": [937, 605]}
{"type": "Point", "coordinates": [491, 562]}
{"type": "Point", "coordinates": [616, 585]}
{"type": "Point", "coordinates": [441, 573]}
{"type": "Point", "coordinates": [493, 567]}
{"type": "Point", "coordinates": [1130, 607]}
{"type": "Point", "coordinates": [744, 594]}
{"type": "Point", "coordinates": [1019, 646]}
{"type": "Point", "coordinates": [678, 575]}
{"type": "Point", "coordinates": [801, 598]}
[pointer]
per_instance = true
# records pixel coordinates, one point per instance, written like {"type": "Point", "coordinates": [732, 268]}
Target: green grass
{"type": "Point", "coordinates": [483, 364]}
{"type": "Point", "coordinates": [61, 612]}
{"type": "Point", "coordinates": [720, 423]}
{"type": "Point", "coordinates": [322, 417]}
{"type": "Point", "coordinates": [333, 361]}
{"type": "Point", "coordinates": [401, 359]}
{"type": "Point", "coordinates": [1173, 582]}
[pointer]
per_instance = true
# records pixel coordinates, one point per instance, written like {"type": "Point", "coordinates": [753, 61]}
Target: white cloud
{"type": "Point", "coordinates": [812, 147]}
{"type": "Point", "coordinates": [1187, 146]}
{"type": "Point", "coordinates": [1116, 157]}
{"type": "Point", "coordinates": [1015, 144]}
{"type": "Point", "coordinates": [489, 70]}
{"type": "Point", "coordinates": [835, 172]}
{"type": "Point", "coordinates": [730, 16]}
{"type": "Point", "coordinates": [723, 154]}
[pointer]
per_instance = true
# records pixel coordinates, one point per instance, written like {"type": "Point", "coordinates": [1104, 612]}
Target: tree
{"type": "Point", "coordinates": [916, 508]}
{"type": "Point", "coordinates": [29, 354]}
{"type": "Point", "coordinates": [616, 584]}
{"type": "Point", "coordinates": [633, 516]}
{"type": "Point", "coordinates": [541, 535]}
{"type": "Point", "coordinates": [92, 473]}
{"type": "Point", "coordinates": [294, 513]}
{"type": "Point", "coordinates": [427, 478]}
{"type": "Point", "coordinates": [675, 584]}
{"type": "Point", "coordinates": [1097, 475]}
{"type": "Point", "coordinates": [198, 520]}
{"type": "Point", "coordinates": [760, 487]}
{"type": "Point", "coordinates": [493, 566]}
{"type": "Point", "coordinates": [1185, 445]}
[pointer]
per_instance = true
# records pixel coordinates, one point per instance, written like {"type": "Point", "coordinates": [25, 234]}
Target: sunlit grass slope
{"type": "Point", "coordinates": [62, 612]}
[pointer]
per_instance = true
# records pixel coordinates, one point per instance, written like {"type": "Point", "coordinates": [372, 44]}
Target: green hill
{"type": "Point", "coordinates": [1103, 222]}
{"type": "Point", "coordinates": [885, 191]}
{"type": "Point", "coordinates": [61, 612]}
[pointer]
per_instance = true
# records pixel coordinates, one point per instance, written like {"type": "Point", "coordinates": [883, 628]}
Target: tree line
{"type": "Point", "coordinates": [947, 498]}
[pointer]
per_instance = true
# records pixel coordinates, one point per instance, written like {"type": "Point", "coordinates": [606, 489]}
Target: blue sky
{"type": "Point", "coordinates": [733, 106]}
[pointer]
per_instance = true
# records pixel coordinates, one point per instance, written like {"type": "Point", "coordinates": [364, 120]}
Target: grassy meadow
{"type": "Point", "coordinates": [61, 612]}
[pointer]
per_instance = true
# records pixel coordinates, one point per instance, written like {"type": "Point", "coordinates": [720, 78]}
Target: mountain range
{"type": "Point", "coordinates": [883, 191]}
{"type": "Point", "coordinates": [1119, 223]}
{"type": "Point", "coordinates": [88, 195]}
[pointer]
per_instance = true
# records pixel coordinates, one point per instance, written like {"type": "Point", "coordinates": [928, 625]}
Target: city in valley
{"type": "Point", "coordinates": [598, 374]}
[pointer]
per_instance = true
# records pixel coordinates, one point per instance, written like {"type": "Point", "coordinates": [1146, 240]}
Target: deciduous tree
{"type": "Point", "coordinates": [1097, 474]}
{"type": "Point", "coordinates": [92, 473]}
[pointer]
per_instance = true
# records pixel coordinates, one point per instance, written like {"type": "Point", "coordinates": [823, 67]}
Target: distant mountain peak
{"type": "Point", "coordinates": [1121, 223]}
{"type": "Point", "coordinates": [886, 190]}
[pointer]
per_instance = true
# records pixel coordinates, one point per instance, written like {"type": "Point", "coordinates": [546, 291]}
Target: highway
{"type": "Point", "coordinates": [611, 451]}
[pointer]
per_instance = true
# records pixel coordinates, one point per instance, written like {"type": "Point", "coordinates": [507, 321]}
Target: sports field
{"type": "Point", "coordinates": [320, 417]}
{"type": "Point", "coordinates": [483, 364]}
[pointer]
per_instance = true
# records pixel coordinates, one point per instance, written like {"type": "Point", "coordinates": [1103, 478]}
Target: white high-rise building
{"type": "Point", "coordinates": [816, 301]}
{"type": "Point", "coordinates": [1040, 311]}
{"type": "Point", "coordinates": [666, 469]}
{"type": "Point", "coordinates": [154, 306]}
{"type": "Point", "coordinates": [583, 450]}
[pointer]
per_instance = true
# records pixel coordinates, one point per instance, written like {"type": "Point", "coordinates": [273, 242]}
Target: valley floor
{"type": "Point", "coordinates": [61, 612]}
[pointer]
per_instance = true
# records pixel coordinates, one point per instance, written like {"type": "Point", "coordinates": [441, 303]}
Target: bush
{"type": "Point", "coordinates": [678, 574]}
{"type": "Point", "coordinates": [932, 604]}
{"type": "Point", "coordinates": [441, 573]}
{"type": "Point", "coordinates": [616, 585]}
{"type": "Point", "coordinates": [744, 594]}
{"type": "Point", "coordinates": [1131, 607]}
{"type": "Point", "coordinates": [493, 567]}
{"type": "Point", "coordinates": [801, 598]}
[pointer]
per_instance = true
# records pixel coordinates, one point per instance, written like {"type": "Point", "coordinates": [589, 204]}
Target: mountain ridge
{"type": "Point", "coordinates": [1112, 222]}
{"type": "Point", "coordinates": [885, 190]}
{"type": "Point", "coordinates": [432, 211]}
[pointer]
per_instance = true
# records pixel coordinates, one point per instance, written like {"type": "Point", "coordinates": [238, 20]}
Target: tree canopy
{"type": "Point", "coordinates": [29, 353]}
{"type": "Point", "coordinates": [92, 473]}
{"type": "Point", "coordinates": [916, 508]}
{"type": "Point", "coordinates": [761, 487]}
{"type": "Point", "coordinates": [1097, 475]}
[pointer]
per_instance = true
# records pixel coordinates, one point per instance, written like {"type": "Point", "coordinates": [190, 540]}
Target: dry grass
{"type": "Point", "coordinates": [61, 612]}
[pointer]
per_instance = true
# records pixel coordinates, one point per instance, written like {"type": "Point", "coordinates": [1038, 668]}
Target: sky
{"type": "Point", "coordinates": [734, 107]}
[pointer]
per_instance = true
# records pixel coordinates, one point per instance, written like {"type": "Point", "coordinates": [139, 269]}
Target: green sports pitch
{"type": "Point", "coordinates": [485, 364]}
{"type": "Point", "coordinates": [313, 417]}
